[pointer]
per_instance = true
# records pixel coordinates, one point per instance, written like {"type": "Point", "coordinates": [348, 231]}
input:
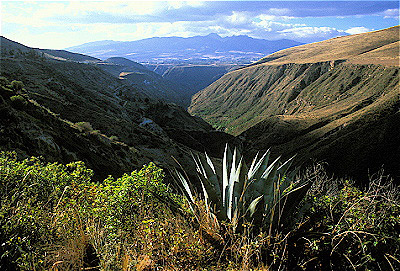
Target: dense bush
{"type": "Point", "coordinates": [4, 81]}
{"type": "Point", "coordinates": [348, 228]}
{"type": "Point", "coordinates": [54, 216]}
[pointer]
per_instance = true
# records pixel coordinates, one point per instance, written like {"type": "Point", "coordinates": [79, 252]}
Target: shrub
{"type": "Point", "coordinates": [358, 228]}
{"type": "Point", "coordinates": [17, 85]}
{"type": "Point", "coordinates": [114, 138]}
{"type": "Point", "coordinates": [84, 126]}
{"type": "Point", "coordinates": [4, 81]}
{"type": "Point", "coordinates": [18, 101]}
{"type": "Point", "coordinates": [54, 216]}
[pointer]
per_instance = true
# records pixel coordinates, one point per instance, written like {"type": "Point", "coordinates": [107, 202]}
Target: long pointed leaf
{"type": "Point", "coordinates": [253, 205]}
{"type": "Point", "coordinates": [185, 184]}
{"type": "Point", "coordinates": [226, 167]}
{"type": "Point", "coordinates": [235, 172]}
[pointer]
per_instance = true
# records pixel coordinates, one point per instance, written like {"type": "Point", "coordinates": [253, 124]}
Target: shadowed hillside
{"type": "Point", "coordinates": [149, 82]}
{"type": "Point", "coordinates": [143, 127]}
{"type": "Point", "coordinates": [196, 77]}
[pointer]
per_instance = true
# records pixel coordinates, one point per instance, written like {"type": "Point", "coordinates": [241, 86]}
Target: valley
{"type": "Point", "coordinates": [317, 101]}
{"type": "Point", "coordinates": [193, 154]}
{"type": "Point", "coordinates": [147, 128]}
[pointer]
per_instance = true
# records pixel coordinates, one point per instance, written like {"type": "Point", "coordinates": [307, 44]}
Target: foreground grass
{"type": "Point", "coordinates": [54, 217]}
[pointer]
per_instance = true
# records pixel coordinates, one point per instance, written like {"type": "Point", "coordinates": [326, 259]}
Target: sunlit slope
{"type": "Point", "coordinates": [299, 79]}
{"type": "Point", "coordinates": [378, 47]}
{"type": "Point", "coordinates": [325, 107]}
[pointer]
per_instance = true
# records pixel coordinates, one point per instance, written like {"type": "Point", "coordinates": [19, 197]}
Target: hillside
{"type": "Point", "coordinates": [135, 74]}
{"type": "Point", "coordinates": [11, 48]}
{"type": "Point", "coordinates": [378, 47]}
{"type": "Point", "coordinates": [65, 55]}
{"type": "Point", "coordinates": [196, 77]}
{"type": "Point", "coordinates": [31, 129]}
{"type": "Point", "coordinates": [144, 128]}
{"type": "Point", "coordinates": [149, 82]}
{"type": "Point", "coordinates": [313, 101]}
{"type": "Point", "coordinates": [195, 50]}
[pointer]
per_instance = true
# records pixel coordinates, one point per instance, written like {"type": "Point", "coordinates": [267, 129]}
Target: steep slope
{"type": "Point", "coordinates": [355, 136]}
{"type": "Point", "coordinates": [30, 129]}
{"type": "Point", "coordinates": [11, 48]}
{"type": "Point", "coordinates": [274, 84]}
{"type": "Point", "coordinates": [378, 47]}
{"type": "Point", "coordinates": [149, 82]}
{"type": "Point", "coordinates": [316, 103]}
{"type": "Point", "coordinates": [201, 49]}
{"type": "Point", "coordinates": [148, 129]}
{"type": "Point", "coordinates": [196, 77]}
{"type": "Point", "coordinates": [65, 55]}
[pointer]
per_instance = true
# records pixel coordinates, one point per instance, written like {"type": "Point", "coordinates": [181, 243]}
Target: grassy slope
{"type": "Point", "coordinates": [343, 48]}
{"type": "Point", "coordinates": [315, 109]}
{"type": "Point", "coordinates": [31, 129]}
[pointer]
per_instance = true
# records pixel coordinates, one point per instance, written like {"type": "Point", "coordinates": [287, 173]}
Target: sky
{"type": "Point", "coordinates": [62, 24]}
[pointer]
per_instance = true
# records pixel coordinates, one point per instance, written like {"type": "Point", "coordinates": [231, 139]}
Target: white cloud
{"type": "Point", "coordinates": [238, 18]}
{"type": "Point", "coordinates": [268, 25]}
{"type": "Point", "coordinates": [357, 30]}
{"type": "Point", "coordinates": [392, 13]}
{"type": "Point", "coordinates": [311, 34]}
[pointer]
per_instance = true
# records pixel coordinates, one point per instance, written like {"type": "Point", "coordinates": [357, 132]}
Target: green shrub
{"type": "Point", "coordinates": [4, 81]}
{"type": "Point", "coordinates": [18, 101]}
{"type": "Point", "coordinates": [17, 85]}
{"type": "Point", "coordinates": [84, 126]}
{"type": "Point", "coordinates": [54, 217]}
{"type": "Point", "coordinates": [347, 228]}
{"type": "Point", "coordinates": [52, 214]}
{"type": "Point", "coordinates": [114, 138]}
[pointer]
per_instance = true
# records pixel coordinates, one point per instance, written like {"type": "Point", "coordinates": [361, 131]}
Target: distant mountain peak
{"type": "Point", "coordinates": [214, 35]}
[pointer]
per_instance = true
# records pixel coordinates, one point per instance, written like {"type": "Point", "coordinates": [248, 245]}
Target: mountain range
{"type": "Point", "coordinates": [195, 50]}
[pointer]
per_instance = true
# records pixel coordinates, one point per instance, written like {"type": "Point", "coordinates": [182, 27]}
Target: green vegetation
{"type": "Point", "coordinates": [264, 195]}
{"type": "Point", "coordinates": [18, 101]}
{"type": "Point", "coordinates": [84, 126]}
{"type": "Point", "coordinates": [17, 85]}
{"type": "Point", "coordinates": [114, 138]}
{"type": "Point", "coordinates": [54, 217]}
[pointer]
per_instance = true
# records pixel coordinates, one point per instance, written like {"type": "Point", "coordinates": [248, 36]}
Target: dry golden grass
{"type": "Point", "coordinates": [378, 47]}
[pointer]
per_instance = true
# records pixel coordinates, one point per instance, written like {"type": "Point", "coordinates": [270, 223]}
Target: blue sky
{"type": "Point", "coordinates": [61, 24]}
